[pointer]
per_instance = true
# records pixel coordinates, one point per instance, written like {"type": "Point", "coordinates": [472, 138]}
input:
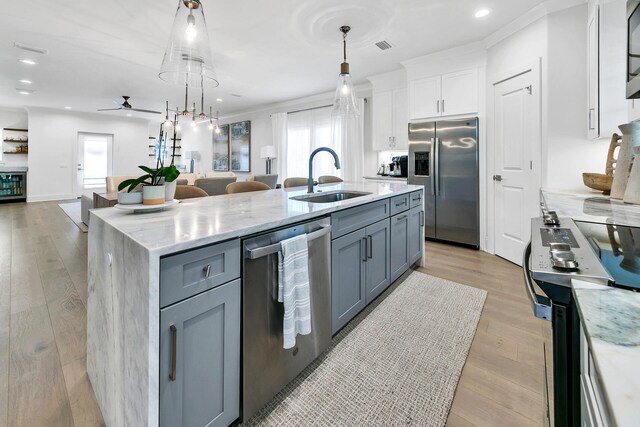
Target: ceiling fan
{"type": "Point", "coordinates": [126, 106]}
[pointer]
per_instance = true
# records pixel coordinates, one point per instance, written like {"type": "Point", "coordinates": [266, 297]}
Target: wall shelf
{"type": "Point", "coordinates": [15, 141]}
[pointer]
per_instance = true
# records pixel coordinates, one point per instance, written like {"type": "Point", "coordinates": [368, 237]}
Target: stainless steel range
{"type": "Point", "coordinates": [559, 252]}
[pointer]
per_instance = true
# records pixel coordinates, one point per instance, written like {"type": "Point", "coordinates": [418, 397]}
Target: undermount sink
{"type": "Point", "coordinates": [330, 196]}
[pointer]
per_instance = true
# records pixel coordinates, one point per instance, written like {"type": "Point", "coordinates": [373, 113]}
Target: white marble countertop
{"type": "Point", "coordinates": [206, 220]}
{"type": "Point", "coordinates": [386, 178]}
{"type": "Point", "coordinates": [611, 320]}
{"type": "Point", "coordinates": [592, 207]}
{"type": "Point", "coordinates": [13, 169]}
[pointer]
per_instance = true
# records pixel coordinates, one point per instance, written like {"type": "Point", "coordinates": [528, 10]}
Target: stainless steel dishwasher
{"type": "Point", "coordinates": [266, 366]}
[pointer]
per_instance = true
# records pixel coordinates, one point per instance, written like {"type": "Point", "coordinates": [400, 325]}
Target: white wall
{"type": "Point", "coordinates": [53, 142]}
{"type": "Point", "coordinates": [13, 118]}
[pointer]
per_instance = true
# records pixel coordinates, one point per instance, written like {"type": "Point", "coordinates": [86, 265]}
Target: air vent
{"type": "Point", "coordinates": [30, 48]}
{"type": "Point", "coordinates": [384, 45]}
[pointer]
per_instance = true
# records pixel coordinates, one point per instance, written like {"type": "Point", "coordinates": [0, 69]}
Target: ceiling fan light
{"type": "Point", "coordinates": [187, 58]}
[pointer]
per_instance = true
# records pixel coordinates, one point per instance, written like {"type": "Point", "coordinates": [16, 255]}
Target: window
{"type": "Point", "coordinates": [306, 131]}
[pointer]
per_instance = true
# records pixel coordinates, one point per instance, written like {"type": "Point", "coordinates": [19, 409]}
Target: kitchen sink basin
{"type": "Point", "coordinates": [330, 196]}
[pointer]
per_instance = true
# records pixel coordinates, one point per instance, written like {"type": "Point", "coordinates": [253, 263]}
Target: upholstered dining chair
{"type": "Point", "coordinates": [271, 180]}
{"type": "Point", "coordinates": [190, 177]}
{"type": "Point", "coordinates": [215, 186]}
{"type": "Point", "coordinates": [189, 192]}
{"type": "Point", "coordinates": [182, 181]}
{"type": "Point", "coordinates": [218, 174]}
{"type": "Point", "coordinates": [295, 182]}
{"type": "Point", "coordinates": [328, 179]}
{"type": "Point", "coordinates": [246, 186]}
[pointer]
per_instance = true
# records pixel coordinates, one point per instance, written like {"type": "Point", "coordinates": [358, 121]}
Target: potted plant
{"type": "Point", "coordinates": [158, 185]}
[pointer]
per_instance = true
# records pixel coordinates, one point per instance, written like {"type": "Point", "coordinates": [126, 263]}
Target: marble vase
{"type": "Point", "coordinates": [630, 139]}
{"type": "Point", "coordinates": [632, 191]}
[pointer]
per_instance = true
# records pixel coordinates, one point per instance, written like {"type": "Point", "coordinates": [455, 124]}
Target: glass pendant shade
{"type": "Point", "coordinates": [344, 102]}
{"type": "Point", "coordinates": [187, 58]}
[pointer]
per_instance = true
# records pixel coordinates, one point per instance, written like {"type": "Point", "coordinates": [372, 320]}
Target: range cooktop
{"type": "Point", "coordinates": [618, 248]}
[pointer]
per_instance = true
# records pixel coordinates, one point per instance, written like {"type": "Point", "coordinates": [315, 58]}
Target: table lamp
{"type": "Point", "coordinates": [268, 152]}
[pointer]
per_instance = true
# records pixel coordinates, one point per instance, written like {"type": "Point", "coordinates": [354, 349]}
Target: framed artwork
{"type": "Point", "coordinates": [221, 149]}
{"type": "Point", "coordinates": [240, 146]}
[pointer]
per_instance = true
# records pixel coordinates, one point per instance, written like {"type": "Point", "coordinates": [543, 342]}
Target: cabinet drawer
{"type": "Point", "coordinates": [399, 204]}
{"type": "Point", "coordinates": [347, 221]}
{"type": "Point", "coordinates": [190, 273]}
{"type": "Point", "coordinates": [415, 199]}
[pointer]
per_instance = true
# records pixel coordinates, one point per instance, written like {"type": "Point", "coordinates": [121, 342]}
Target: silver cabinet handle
{"type": "Point", "coordinates": [174, 351]}
{"type": "Point", "coordinates": [541, 305]}
{"type": "Point", "coordinates": [401, 217]}
{"type": "Point", "coordinates": [421, 218]}
{"type": "Point", "coordinates": [443, 105]}
{"type": "Point", "coordinates": [207, 271]}
{"type": "Point", "coordinates": [404, 202]}
{"type": "Point", "coordinates": [438, 106]}
{"type": "Point", "coordinates": [591, 110]}
{"type": "Point", "coordinates": [370, 246]}
{"type": "Point", "coordinates": [364, 249]}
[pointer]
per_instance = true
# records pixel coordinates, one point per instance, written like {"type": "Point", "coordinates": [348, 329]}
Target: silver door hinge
{"type": "Point", "coordinates": [529, 89]}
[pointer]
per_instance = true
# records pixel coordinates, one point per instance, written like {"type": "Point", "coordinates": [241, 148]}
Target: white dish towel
{"type": "Point", "coordinates": [293, 289]}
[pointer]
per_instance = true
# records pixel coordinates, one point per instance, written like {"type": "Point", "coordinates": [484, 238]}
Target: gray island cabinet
{"type": "Point", "coordinates": [164, 300]}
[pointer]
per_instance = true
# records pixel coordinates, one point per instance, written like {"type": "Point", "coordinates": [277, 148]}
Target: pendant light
{"type": "Point", "coordinates": [193, 118]}
{"type": "Point", "coordinates": [187, 58]}
{"type": "Point", "coordinates": [210, 118]}
{"type": "Point", "coordinates": [217, 130]}
{"type": "Point", "coordinates": [344, 102]}
{"type": "Point", "coordinates": [167, 120]}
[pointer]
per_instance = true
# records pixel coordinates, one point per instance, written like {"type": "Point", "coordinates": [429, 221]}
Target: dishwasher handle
{"type": "Point", "coordinates": [277, 247]}
{"type": "Point", "coordinates": [541, 305]}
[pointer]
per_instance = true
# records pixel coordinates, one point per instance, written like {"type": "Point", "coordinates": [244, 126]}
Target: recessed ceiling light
{"type": "Point", "coordinates": [24, 92]}
{"type": "Point", "coordinates": [219, 99]}
{"type": "Point", "coordinates": [28, 61]}
{"type": "Point", "coordinates": [67, 108]}
{"type": "Point", "coordinates": [25, 81]}
{"type": "Point", "coordinates": [482, 13]}
{"type": "Point", "coordinates": [128, 114]}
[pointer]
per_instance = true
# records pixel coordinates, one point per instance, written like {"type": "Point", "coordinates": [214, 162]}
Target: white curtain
{"type": "Point", "coordinates": [279, 130]}
{"type": "Point", "coordinates": [308, 130]}
{"type": "Point", "coordinates": [348, 133]}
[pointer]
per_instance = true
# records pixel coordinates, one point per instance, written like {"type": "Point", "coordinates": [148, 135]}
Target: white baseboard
{"type": "Point", "coordinates": [50, 197]}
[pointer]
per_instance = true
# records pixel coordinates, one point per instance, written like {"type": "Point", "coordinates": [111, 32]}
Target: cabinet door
{"type": "Point", "coordinates": [400, 120]}
{"type": "Point", "coordinates": [415, 239]}
{"type": "Point", "coordinates": [378, 276]}
{"type": "Point", "coordinates": [424, 98]}
{"type": "Point", "coordinates": [593, 70]}
{"type": "Point", "coordinates": [200, 359]}
{"type": "Point", "coordinates": [347, 278]}
{"type": "Point", "coordinates": [382, 120]}
{"type": "Point", "coordinates": [459, 93]}
{"type": "Point", "coordinates": [399, 246]}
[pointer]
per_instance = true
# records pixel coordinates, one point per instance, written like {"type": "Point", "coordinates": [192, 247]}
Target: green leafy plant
{"type": "Point", "coordinates": [151, 177]}
{"type": "Point", "coordinates": [157, 176]}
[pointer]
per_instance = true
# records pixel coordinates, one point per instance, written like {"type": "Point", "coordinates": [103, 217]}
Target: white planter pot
{"type": "Point", "coordinates": [133, 198]}
{"type": "Point", "coordinates": [153, 194]}
{"type": "Point", "coordinates": [170, 190]}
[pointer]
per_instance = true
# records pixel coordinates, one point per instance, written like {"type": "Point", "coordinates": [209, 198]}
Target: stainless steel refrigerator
{"type": "Point", "coordinates": [443, 156]}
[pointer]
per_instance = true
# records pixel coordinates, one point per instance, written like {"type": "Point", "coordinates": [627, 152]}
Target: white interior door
{"type": "Point", "coordinates": [517, 135]}
{"type": "Point", "coordinates": [95, 161]}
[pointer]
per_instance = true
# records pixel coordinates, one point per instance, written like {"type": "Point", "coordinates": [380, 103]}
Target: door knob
{"type": "Point", "coordinates": [497, 178]}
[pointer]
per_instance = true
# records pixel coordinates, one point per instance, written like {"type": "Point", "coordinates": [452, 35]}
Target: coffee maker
{"type": "Point", "coordinates": [399, 166]}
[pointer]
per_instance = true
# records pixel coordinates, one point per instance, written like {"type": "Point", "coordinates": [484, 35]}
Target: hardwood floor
{"type": "Point", "coordinates": [43, 291]}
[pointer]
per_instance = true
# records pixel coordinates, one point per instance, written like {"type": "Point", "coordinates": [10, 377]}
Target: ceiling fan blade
{"type": "Point", "coordinates": [110, 109]}
{"type": "Point", "coordinates": [144, 111]}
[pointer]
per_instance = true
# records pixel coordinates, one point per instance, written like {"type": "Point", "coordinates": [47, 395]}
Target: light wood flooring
{"type": "Point", "coordinates": [43, 289]}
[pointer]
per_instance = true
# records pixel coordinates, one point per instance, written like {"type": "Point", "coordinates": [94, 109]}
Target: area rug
{"type": "Point", "coordinates": [73, 211]}
{"type": "Point", "coordinates": [397, 363]}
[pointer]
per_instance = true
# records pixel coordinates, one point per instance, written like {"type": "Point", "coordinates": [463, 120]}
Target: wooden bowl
{"type": "Point", "coordinates": [598, 181]}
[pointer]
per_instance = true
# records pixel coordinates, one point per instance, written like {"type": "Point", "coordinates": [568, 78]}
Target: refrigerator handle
{"type": "Point", "coordinates": [436, 174]}
{"type": "Point", "coordinates": [432, 166]}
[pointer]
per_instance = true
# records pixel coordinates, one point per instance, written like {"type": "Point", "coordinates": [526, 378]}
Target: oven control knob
{"type": "Point", "coordinates": [562, 257]}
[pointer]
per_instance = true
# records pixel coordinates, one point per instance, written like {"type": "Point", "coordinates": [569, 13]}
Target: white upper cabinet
{"type": "Point", "coordinates": [593, 70]}
{"type": "Point", "coordinates": [390, 120]}
{"type": "Point", "coordinates": [448, 94]}
{"type": "Point", "coordinates": [459, 93]}
{"type": "Point", "coordinates": [424, 97]}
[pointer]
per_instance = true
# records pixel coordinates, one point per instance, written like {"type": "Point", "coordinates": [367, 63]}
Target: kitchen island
{"type": "Point", "coordinates": [132, 257]}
